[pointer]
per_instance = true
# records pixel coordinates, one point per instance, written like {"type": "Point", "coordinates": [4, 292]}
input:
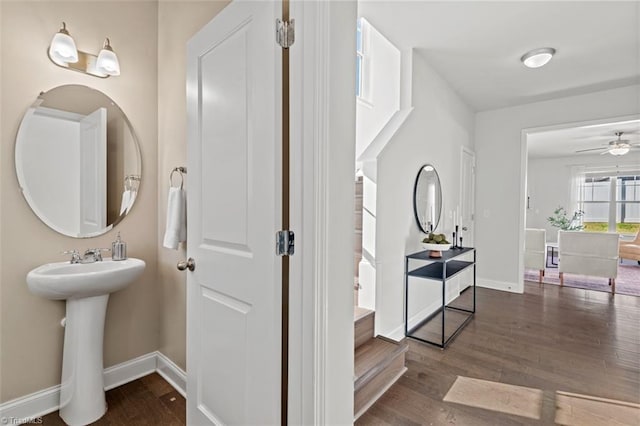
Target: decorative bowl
{"type": "Point", "coordinates": [436, 247]}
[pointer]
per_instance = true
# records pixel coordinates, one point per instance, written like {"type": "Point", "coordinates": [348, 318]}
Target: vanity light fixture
{"type": "Point", "coordinates": [537, 58]}
{"type": "Point", "coordinates": [63, 53]}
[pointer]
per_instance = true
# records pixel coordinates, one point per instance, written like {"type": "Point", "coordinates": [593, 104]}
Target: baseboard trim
{"type": "Point", "coordinates": [26, 408]}
{"type": "Point", "coordinates": [379, 394]}
{"type": "Point", "coordinates": [397, 333]}
{"type": "Point", "coordinates": [499, 285]}
{"type": "Point", "coordinates": [172, 373]}
{"type": "Point", "coordinates": [129, 371]}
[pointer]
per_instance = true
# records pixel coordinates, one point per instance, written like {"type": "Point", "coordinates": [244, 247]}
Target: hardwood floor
{"type": "Point", "coordinates": [149, 400]}
{"type": "Point", "coordinates": [548, 339]}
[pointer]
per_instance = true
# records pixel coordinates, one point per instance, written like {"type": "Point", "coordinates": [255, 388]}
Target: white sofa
{"type": "Point", "coordinates": [588, 253]}
{"type": "Point", "coordinates": [535, 250]}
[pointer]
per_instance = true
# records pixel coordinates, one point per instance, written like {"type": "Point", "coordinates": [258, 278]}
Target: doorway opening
{"type": "Point", "coordinates": [577, 179]}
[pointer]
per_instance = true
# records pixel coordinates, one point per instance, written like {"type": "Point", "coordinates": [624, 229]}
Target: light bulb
{"type": "Point", "coordinates": [63, 49]}
{"type": "Point", "coordinates": [619, 150]}
{"type": "Point", "coordinates": [107, 62]}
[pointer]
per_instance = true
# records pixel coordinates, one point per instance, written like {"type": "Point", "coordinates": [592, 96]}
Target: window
{"type": "Point", "coordinates": [359, 58]}
{"type": "Point", "coordinates": [363, 61]}
{"type": "Point", "coordinates": [611, 203]}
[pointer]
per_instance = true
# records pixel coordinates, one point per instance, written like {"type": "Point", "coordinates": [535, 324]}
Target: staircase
{"type": "Point", "coordinates": [379, 362]}
{"type": "Point", "coordinates": [357, 255]}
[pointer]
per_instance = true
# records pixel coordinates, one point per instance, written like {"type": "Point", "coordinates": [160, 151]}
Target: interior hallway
{"type": "Point", "coordinates": [548, 339]}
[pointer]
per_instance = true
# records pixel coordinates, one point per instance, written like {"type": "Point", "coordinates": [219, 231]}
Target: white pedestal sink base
{"type": "Point", "coordinates": [86, 288]}
{"type": "Point", "coordinates": [82, 398]}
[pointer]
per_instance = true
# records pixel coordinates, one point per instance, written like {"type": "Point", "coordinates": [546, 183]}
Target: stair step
{"type": "Point", "coordinates": [373, 356]}
{"type": "Point", "coordinates": [379, 363]}
{"type": "Point", "coordinates": [363, 325]}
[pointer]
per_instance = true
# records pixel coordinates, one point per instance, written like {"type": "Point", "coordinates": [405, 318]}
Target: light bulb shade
{"type": "Point", "coordinates": [107, 62]}
{"type": "Point", "coordinates": [538, 57]}
{"type": "Point", "coordinates": [619, 150]}
{"type": "Point", "coordinates": [63, 49]}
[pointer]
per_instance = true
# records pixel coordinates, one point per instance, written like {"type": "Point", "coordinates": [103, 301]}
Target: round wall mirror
{"type": "Point", "coordinates": [78, 161]}
{"type": "Point", "coordinates": [427, 199]}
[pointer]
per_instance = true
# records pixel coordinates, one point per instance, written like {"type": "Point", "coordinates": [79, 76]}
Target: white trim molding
{"type": "Point", "coordinates": [499, 285]}
{"type": "Point", "coordinates": [37, 404]}
{"type": "Point", "coordinates": [173, 374]}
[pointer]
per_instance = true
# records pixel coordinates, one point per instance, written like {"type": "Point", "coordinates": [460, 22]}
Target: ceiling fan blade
{"type": "Point", "coordinates": [592, 149]}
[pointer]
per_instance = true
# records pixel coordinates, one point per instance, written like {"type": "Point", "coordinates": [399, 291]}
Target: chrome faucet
{"type": "Point", "coordinates": [75, 256]}
{"type": "Point", "coordinates": [90, 255]}
{"type": "Point", "coordinates": [93, 255]}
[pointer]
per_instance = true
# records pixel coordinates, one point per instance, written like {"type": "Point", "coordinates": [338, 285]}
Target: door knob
{"type": "Point", "coordinates": [189, 264]}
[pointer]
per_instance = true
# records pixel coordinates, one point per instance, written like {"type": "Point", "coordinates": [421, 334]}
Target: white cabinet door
{"type": "Point", "coordinates": [233, 295]}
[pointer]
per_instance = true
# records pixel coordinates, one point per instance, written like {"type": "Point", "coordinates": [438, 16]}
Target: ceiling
{"type": "Point", "coordinates": [476, 46]}
{"type": "Point", "coordinates": [565, 142]}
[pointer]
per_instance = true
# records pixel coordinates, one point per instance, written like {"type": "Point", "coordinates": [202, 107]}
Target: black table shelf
{"type": "Point", "coordinates": [434, 270]}
{"type": "Point", "coordinates": [441, 269]}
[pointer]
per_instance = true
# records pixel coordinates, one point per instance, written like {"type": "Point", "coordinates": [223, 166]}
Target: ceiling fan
{"type": "Point", "coordinates": [616, 147]}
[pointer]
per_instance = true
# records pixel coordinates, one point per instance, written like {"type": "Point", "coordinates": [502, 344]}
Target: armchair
{"type": "Point", "coordinates": [631, 249]}
{"type": "Point", "coordinates": [535, 250]}
{"type": "Point", "coordinates": [588, 253]}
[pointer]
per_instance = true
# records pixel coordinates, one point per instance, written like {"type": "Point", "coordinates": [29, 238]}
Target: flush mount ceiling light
{"type": "Point", "coordinates": [63, 53]}
{"type": "Point", "coordinates": [537, 58]}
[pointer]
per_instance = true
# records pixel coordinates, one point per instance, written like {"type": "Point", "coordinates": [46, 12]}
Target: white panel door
{"type": "Point", "coordinates": [234, 293]}
{"type": "Point", "coordinates": [93, 172]}
{"type": "Point", "coordinates": [467, 207]}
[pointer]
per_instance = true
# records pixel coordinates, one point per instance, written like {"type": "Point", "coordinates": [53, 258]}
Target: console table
{"type": "Point", "coordinates": [438, 272]}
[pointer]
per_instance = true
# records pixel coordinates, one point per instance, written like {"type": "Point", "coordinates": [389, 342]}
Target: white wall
{"type": "Point", "coordinates": [549, 185]}
{"type": "Point", "coordinates": [382, 61]}
{"type": "Point", "coordinates": [435, 132]}
{"type": "Point", "coordinates": [501, 164]}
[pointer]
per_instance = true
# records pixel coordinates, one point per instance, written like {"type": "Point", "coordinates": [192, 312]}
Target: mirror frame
{"type": "Point", "coordinates": [21, 179]}
{"type": "Point", "coordinates": [415, 207]}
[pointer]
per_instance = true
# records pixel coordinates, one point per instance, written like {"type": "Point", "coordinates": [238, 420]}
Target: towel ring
{"type": "Point", "coordinates": [180, 170]}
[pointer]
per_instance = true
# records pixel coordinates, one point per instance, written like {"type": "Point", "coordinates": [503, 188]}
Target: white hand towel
{"type": "Point", "coordinates": [132, 199]}
{"type": "Point", "coordinates": [176, 230]}
{"type": "Point", "coordinates": [126, 202]}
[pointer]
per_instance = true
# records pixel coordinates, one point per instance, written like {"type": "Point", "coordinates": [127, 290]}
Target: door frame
{"type": "Point", "coordinates": [322, 121]}
{"type": "Point", "coordinates": [524, 164]}
{"type": "Point", "coordinates": [468, 151]}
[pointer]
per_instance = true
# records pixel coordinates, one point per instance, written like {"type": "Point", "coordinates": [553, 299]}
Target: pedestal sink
{"type": "Point", "coordinates": [86, 288]}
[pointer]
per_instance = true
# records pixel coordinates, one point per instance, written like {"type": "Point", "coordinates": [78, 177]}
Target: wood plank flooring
{"type": "Point", "coordinates": [149, 400]}
{"type": "Point", "coordinates": [549, 338]}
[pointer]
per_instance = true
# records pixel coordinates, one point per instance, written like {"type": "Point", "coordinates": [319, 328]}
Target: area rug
{"type": "Point", "coordinates": [628, 281]}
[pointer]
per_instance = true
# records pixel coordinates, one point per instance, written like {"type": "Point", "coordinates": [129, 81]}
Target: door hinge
{"type": "Point", "coordinates": [285, 243]}
{"type": "Point", "coordinates": [285, 32]}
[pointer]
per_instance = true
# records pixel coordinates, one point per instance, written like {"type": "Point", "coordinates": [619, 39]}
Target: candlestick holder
{"type": "Point", "coordinates": [455, 241]}
{"type": "Point", "coordinates": [460, 246]}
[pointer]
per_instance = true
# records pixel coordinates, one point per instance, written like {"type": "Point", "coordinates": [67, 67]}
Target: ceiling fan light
{"type": "Point", "coordinates": [538, 57]}
{"type": "Point", "coordinates": [621, 150]}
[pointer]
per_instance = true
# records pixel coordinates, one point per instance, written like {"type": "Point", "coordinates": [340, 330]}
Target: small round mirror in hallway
{"type": "Point", "coordinates": [427, 199]}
